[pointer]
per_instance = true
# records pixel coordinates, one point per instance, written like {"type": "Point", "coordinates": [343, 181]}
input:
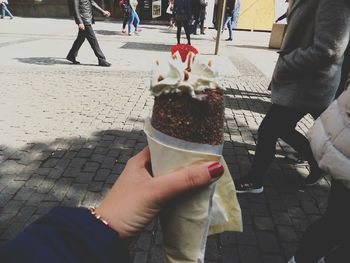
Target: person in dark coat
{"type": "Point", "coordinates": [84, 18]}
{"type": "Point", "coordinates": [199, 11]}
{"type": "Point", "coordinates": [80, 235]}
{"type": "Point", "coordinates": [182, 14]}
{"type": "Point", "coordinates": [305, 80]}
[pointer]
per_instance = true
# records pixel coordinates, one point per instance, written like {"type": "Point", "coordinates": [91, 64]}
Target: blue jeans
{"type": "Point", "coordinates": [228, 23]}
{"type": "Point", "coordinates": [5, 10]}
{"type": "Point", "coordinates": [134, 19]}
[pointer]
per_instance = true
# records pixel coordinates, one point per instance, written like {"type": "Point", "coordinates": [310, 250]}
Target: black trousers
{"type": "Point", "coordinates": [199, 22]}
{"type": "Point", "coordinates": [330, 235]}
{"type": "Point", "coordinates": [279, 122]}
{"type": "Point", "coordinates": [186, 26]}
{"type": "Point", "coordinates": [88, 34]}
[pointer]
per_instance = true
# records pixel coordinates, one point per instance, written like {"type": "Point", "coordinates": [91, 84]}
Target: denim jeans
{"type": "Point", "coordinates": [228, 23]}
{"type": "Point", "coordinates": [5, 10]}
{"type": "Point", "coordinates": [133, 20]}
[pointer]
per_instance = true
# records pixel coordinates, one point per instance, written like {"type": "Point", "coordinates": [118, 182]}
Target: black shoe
{"type": "Point", "coordinates": [314, 177]}
{"type": "Point", "coordinates": [104, 63]}
{"type": "Point", "coordinates": [203, 33]}
{"type": "Point", "coordinates": [229, 39]}
{"type": "Point", "coordinates": [73, 60]}
{"type": "Point", "coordinates": [245, 185]}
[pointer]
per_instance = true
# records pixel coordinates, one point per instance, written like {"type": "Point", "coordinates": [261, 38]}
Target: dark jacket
{"type": "Point", "coordinates": [82, 11]}
{"type": "Point", "coordinates": [199, 7]}
{"type": "Point", "coordinates": [308, 70]}
{"type": "Point", "coordinates": [183, 7]}
{"type": "Point", "coordinates": [230, 8]}
{"type": "Point", "coordinates": [66, 235]}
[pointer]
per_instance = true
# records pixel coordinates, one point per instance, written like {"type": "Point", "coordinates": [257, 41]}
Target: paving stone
{"type": "Point", "coordinates": [273, 259]}
{"type": "Point", "coordinates": [287, 234]}
{"type": "Point", "coordinates": [263, 223]}
{"type": "Point", "coordinates": [140, 257]}
{"type": "Point", "coordinates": [268, 242]}
{"type": "Point", "coordinates": [230, 255]}
{"type": "Point", "coordinates": [144, 241]}
{"type": "Point", "coordinates": [249, 254]}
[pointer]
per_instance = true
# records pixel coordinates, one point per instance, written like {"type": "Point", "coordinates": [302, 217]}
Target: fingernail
{"type": "Point", "coordinates": [215, 170]}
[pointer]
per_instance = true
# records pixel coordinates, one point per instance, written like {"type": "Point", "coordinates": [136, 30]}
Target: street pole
{"type": "Point", "coordinates": [220, 22]}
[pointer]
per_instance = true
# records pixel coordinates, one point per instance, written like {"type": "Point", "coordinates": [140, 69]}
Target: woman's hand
{"type": "Point", "coordinates": [136, 197]}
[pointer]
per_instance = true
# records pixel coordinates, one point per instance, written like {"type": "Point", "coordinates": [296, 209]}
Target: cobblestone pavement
{"type": "Point", "coordinates": [67, 132]}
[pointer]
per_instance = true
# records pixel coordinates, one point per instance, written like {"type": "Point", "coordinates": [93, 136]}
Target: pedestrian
{"type": "Point", "coordinates": [199, 10]}
{"type": "Point", "coordinates": [169, 12]}
{"type": "Point", "coordinates": [126, 13]}
{"type": "Point", "coordinates": [329, 236]}
{"type": "Point", "coordinates": [182, 15]}
{"type": "Point", "coordinates": [235, 15]}
{"type": "Point", "coordinates": [134, 17]}
{"type": "Point", "coordinates": [229, 13]}
{"type": "Point", "coordinates": [78, 235]}
{"type": "Point", "coordinates": [305, 80]}
{"type": "Point", "coordinates": [4, 9]}
{"type": "Point", "coordinates": [84, 18]}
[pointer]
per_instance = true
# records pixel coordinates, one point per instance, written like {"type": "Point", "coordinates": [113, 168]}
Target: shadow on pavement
{"type": "Point", "coordinates": [147, 46]}
{"type": "Point", "coordinates": [49, 61]}
{"type": "Point", "coordinates": [44, 60]}
{"type": "Point", "coordinates": [110, 33]}
{"type": "Point", "coordinates": [254, 47]}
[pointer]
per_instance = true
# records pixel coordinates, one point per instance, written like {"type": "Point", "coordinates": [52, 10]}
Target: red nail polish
{"type": "Point", "coordinates": [215, 170]}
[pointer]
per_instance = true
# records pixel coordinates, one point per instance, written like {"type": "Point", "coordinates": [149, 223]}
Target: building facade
{"type": "Point", "coordinates": [254, 14]}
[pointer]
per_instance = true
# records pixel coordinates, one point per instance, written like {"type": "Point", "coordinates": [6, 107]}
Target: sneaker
{"type": "Point", "coordinates": [244, 186]}
{"type": "Point", "coordinates": [139, 30]}
{"type": "Point", "coordinates": [73, 60]}
{"type": "Point", "coordinates": [313, 178]}
{"type": "Point", "coordinates": [124, 31]}
{"type": "Point", "coordinates": [104, 63]}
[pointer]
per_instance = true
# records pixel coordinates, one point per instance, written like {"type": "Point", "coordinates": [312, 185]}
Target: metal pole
{"type": "Point", "coordinates": [221, 21]}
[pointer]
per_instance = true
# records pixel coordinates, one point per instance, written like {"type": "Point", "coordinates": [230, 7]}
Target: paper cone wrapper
{"type": "Point", "coordinates": [185, 222]}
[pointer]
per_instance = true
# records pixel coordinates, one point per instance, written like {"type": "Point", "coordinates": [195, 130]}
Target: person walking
{"type": "Point", "coordinates": [229, 12]}
{"type": "Point", "coordinates": [182, 15]}
{"type": "Point", "coordinates": [4, 9]}
{"type": "Point", "coordinates": [305, 81]}
{"type": "Point", "coordinates": [84, 18]}
{"type": "Point", "coordinates": [169, 12]}
{"type": "Point", "coordinates": [199, 10]}
{"type": "Point", "coordinates": [126, 13]}
{"type": "Point", "coordinates": [134, 17]}
{"type": "Point", "coordinates": [329, 236]}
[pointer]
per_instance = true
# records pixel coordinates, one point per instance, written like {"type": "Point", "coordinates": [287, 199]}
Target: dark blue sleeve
{"type": "Point", "coordinates": [66, 235]}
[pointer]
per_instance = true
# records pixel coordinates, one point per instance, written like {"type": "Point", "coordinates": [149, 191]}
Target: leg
{"type": "Point", "coordinates": [136, 21]}
{"type": "Point", "coordinates": [278, 120]}
{"type": "Point", "coordinates": [227, 18]}
{"type": "Point", "coordinates": [125, 20]}
{"type": "Point", "coordinates": [330, 231]}
{"type": "Point", "coordinates": [73, 53]}
{"type": "Point", "coordinates": [3, 6]}
{"type": "Point", "coordinates": [178, 33]}
{"type": "Point", "coordinates": [229, 26]}
{"type": "Point", "coordinates": [187, 32]}
{"type": "Point", "coordinates": [90, 35]}
{"type": "Point", "coordinates": [202, 26]}
{"type": "Point", "coordinates": [131, 21]}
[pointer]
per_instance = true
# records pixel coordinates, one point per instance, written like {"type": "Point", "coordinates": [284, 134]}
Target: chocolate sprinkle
{"type": "Point", "coordinates": [183, 117]}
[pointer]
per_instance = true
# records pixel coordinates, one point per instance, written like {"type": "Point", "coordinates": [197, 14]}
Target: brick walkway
{"type": "Point", "coordinates": [67, 132]}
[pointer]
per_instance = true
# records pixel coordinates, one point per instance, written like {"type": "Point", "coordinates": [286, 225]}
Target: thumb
{"type": "Point", "coordinates": [185, 179]}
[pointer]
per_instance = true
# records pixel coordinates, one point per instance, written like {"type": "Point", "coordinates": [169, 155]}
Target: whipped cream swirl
{"type": "Point", "coordinates": [179, 77]}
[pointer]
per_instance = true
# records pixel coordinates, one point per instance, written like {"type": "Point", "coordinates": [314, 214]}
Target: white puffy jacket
{"type": "Point", "coordinates": [330, 139]}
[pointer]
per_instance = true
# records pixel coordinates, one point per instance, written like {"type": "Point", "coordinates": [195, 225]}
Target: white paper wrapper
{"type": "Point", "coordinates": [185, 223]}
